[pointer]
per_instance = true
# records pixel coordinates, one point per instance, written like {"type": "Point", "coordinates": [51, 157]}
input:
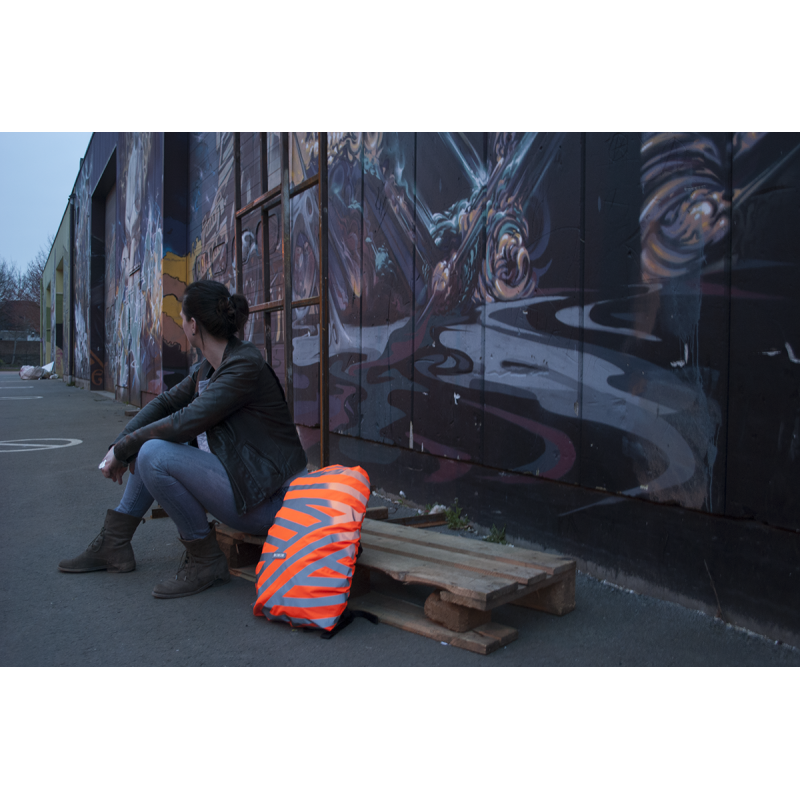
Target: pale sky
{"type": "Point", "coordinates": [37, 173]}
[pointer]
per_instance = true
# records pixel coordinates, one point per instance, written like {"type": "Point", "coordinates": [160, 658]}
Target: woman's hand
{"type": "Point", "coordinates": [112, 468]}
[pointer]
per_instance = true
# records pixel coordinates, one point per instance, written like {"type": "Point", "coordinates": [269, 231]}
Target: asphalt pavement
{"type": "Point", "coordinates": [53, 500]}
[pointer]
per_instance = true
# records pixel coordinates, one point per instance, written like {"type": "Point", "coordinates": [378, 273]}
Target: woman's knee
{"type": "Point", "coordinates": [151, 453]}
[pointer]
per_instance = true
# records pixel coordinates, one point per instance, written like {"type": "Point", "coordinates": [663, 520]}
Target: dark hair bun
{"type": "Point", "coordinates": [239, 309]}
{"type": "Point", "coordinates": [210, 303]}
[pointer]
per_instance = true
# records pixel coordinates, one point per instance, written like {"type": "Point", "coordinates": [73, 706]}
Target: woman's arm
{"type": "Point", "coordinates": [232, 387]}
{"type": "Point", "coordinates": [162, 406]}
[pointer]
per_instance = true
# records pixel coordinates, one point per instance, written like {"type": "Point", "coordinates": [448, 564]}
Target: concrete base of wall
{"type": "Point", "coordinates": [121, 396]}
{"type": "Point", "coordinates": [79, 382]}
{"type": "Point", "coordinates": [633, 583]}
{"type": "Point", "coordinates": [742, 571]}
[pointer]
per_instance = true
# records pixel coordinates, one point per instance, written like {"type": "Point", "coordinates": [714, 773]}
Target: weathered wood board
{"type": "Point", "coordinates": [470, 578]}
{"type": "Point", "coordinates": [410, 617]}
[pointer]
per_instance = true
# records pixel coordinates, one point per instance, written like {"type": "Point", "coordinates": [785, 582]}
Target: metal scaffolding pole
{"type": "Point", "coordinates": [281, 197]}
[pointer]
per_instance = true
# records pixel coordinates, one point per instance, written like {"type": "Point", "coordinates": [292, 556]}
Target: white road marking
{"type": "Point", "coordinates": [27, 397]}
{"type": "Point", "coordinates": [28, 445]}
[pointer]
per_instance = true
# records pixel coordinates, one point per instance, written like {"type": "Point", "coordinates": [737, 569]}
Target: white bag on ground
{"type": "Point", "coordinates": [28, 373]}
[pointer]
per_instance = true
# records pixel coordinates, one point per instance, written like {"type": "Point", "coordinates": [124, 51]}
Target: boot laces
{"type": "Point", "coordinates": [184, 565]}
{"type": "Point", "coordinates": [97, 542]}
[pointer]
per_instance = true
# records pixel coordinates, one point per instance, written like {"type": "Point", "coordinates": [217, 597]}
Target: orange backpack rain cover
{"type": "Point", "coordinates": [309, 557]}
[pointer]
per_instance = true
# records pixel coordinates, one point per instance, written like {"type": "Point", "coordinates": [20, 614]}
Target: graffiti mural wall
{"type": "Point", "coordinates": [139, 253]}
{"type": "Point", "coordinates": [211, 206]}
{"type": "Point", "coordinates": [122, 178]}
{"type": "Point", "coordinates": [608, 311]}
{"type": "Point", "coordinates": [82, 251]}
{"type": "Point", "coordinates": [764, 382]}
{"type": "Point", "coordinates": [586, 309]}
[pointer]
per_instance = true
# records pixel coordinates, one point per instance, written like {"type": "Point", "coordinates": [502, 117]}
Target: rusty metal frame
{"type": "Point", "coordinates": [265, 265]}
{"type": "Point", "coordinates": [237, 200]}
{"type": "Point", "coordinates": [280, 196]}
{"type": "Point", "coordinates": [324, 321]}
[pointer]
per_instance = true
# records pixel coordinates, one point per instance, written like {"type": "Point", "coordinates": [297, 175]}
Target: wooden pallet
{"type": "Point", "coordinates": [470, 578]}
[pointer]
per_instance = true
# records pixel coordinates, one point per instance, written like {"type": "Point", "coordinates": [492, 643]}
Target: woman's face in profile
{"type": "Point", "coordinates": [190, 329]}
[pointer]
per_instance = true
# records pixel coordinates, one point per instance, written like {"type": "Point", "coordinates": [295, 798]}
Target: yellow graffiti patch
{"type": "Point", "coordinates": [172, 308]}
{"type": "Point", "coordinates": [175, 278]}
{"type": "Point", "coordinates": [176, 266]}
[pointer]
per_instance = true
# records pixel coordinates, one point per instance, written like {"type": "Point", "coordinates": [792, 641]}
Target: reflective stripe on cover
{"type": "Point", "coordinates": [309, 557]}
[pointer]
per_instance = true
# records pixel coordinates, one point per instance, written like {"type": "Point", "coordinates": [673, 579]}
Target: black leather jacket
{"type": "Point", "coordinates": [244, 412]}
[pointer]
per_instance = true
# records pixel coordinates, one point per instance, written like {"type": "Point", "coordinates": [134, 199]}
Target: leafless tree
{"type": "Point", "coordinates": [9, 289]}
{"type": "Point", "coordinates": [30, 281]}
{"type": "Point", "coordinates": [8, 280]}
{"type": "Point", "coordinates": [18, 285]}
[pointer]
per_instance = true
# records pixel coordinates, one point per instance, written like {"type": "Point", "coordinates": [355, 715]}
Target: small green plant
{"type": "Point", "coordinates": [456, 519]}
{"type": "Point", "coordinates": [497, 535]}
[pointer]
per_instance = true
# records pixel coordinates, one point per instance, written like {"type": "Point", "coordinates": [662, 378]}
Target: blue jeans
{"type": "Point", "coordinates": [187, 482]}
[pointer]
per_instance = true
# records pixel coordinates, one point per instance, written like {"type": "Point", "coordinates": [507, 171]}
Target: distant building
{"type": "Point", "coordinates": [54, 312]}
{"type": "Point", "coordinates": [19, 333]}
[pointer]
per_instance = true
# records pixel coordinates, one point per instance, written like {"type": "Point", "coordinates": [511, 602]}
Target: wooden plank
{"type": "Point", "coordinates": [248, 572]}
{"type": "Point", "coordinates": [558, 598]}
{"type": "Point", "coordinates": [522, 592]}
{"type": "Point", "coordinates": [548, 563]}
{"type": "Point", "coordinates": [454, 617]}
{"type": "Point", "coordinates": [518, 555]}
{"type": "Point", "coordinates": [523, 574]}
{"type": "Point", "coordinates": [378, 512]}
{"type": "Point", "coordinates": [409, 617]}
{"type": "Point", "coordinates": [419, 521]}
{"type": "Point", "coordinates": [238, 536]}
{"type": "Point", "coordinates": [407, 569]}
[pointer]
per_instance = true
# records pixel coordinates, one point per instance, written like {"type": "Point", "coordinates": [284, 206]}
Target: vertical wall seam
{"type": "Point", "coordinates": [581, 303]}
{"type": "Point", "coordinates": [361, 378]}
{"type": "Point", "coordinates": [484, 249]}
{"type": "Point", "coordinates": [414, 267]}
{"type": "Point", "coordinates": [725, 509]}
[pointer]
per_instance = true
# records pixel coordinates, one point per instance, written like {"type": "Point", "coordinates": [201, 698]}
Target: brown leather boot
{"type": "Point", "coordinates": [111, 549]}
{"type": "Point", "coordinates": [202, 565]}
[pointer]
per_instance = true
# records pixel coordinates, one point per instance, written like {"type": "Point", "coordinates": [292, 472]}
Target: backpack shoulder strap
{"type": "Point", "coordinates": [200, 375]}
{"type": "Point", "coordinates": [347, 617]}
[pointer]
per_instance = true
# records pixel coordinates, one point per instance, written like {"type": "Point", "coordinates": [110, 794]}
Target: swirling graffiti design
{"type": "Point", "coordinates": [501, 204]}
{"type": "Point", "coordinates": [686, 208]}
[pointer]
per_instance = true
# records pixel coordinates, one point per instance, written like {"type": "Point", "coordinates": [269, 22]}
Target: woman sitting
{"type": "Point", "coordinates": [246, 451]}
